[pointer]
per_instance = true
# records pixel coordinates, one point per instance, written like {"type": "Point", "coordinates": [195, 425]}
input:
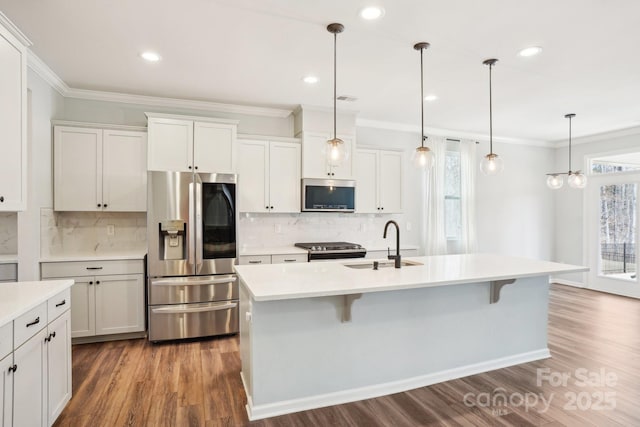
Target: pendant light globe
{"type": "Point", "coordinates": [577, 180]}
{"type": "Point", "coordinates": [423, 158]}
{"type": "Point", "coordinates": [491, 164]}
{"type": "Point", "coordinates": [555, 182]}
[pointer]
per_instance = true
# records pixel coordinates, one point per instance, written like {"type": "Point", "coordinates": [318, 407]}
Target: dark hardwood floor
{"type": "Point", "coordinates": [593, 337]}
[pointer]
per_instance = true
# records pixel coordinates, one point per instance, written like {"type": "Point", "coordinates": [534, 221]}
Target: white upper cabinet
{"type": "Point", "coordinates": [99, 169]}
{"type": "Point", "coordinates": [13, 119]}
{"type": "Point", "coordinates": [314, 157]}
{"type": "Point", "coordinates": [191, 144]}
{"type": "Point", "coordinates": [269, 176]}
{"type": "Point", "coordinates": [379, 181]}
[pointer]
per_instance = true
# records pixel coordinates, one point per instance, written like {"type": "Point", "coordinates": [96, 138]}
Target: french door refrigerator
{"type": "Point", "coordinates": [192, 222]}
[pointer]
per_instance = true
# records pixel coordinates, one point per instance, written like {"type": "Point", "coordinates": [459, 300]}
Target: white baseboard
{"type": "Point", "coordinates": [566, 282]}
{"type": "Point", "coordinates": [257, 412]}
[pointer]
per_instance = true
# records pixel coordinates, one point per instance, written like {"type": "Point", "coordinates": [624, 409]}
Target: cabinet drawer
{"type": "Point", "coordinates": [8, 272]}
{"type": "Point", "coordinates": [6, 339]}
{"type": "Point", "coordinates": [281, 259]}
{"type": "Point", "coordinates": [59, 304]}
{"type": "Point", "coordinates": [29, 324]}
{"type": "Point", "coordinates": [50, 270]}
{"type": "Point", "coordinates": [255, 259]}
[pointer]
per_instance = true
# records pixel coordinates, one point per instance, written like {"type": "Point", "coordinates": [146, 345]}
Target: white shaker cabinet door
{"type": "Point", "coordinates": [367, 181]}
{"type": "Point", "coordinates": [253, 176]}
{"type": "Point", "coordinates": [119, 304]}
{"type": "Point", "coordinates": [170, 145]}
{"type": "Point", "coordinates": [284, 174]}
{"type": "Point", "coordinates": [314, 156]}
{"type": "Point", "coordinates": [13, 115]}
{"type": "Point", "coordinates": [6, 391]}
{"type": "Point", "coordinates": [58, 366]}
{"type": "Point", "coordinates": [213, 147]}
{"type": "Point", "coordinates": [77, 169]}
{"type": "Point", "coordinates": [124, 171]}
{"type": "Point", "coordinates": [390, 184]}
{"type": "Point", "coordinates": [344, 170]}
{"type": "Point", "coordinates": [83, 307]}
{"type": "Point", "coordinates": [30, 382]}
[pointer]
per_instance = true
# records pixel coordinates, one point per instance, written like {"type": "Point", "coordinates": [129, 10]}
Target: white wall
{"type": "Point", "coordinates": [569, 212]}
{"type": "Point", "coordinates": [515, 210]}
{"type": "Point", "coordinates": [44, 104]}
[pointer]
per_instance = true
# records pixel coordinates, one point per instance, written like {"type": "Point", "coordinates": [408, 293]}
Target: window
{"type": "Point", "coordinates": [452, 192]}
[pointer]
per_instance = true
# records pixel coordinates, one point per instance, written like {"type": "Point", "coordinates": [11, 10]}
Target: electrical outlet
{"type": "Point", "coordinates": [277, 228]}
{"type": "Point", "coordinates": [111, 230]}
{"type": "Point", "coordinates": [408, 226]}
{"type": "Point", "coordinates": [363, 227]}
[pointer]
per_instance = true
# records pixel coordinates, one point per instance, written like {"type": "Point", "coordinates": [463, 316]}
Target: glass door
{"type": "Point", "coordinates": [612, 221]}
{"type": "Point", "coordinates": [217, 218]}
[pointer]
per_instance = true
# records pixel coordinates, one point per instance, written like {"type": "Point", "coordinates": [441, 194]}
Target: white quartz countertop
{"type": "Point", "coordinates": [9, 259]}
{"type": "Point", "coordinates": [270, 282]}
{"type": "Point", "coordinates": [116, 256]}
{"type": "Point", "coordinates": [20, 297]}
{"type": "Point", "coordinates": [272, 250]}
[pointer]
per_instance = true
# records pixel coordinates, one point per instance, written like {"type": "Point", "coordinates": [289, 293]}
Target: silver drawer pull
{"type": "Point", "coordinates": [185, 310]}
{"type": "Point", "coordinates": [173, 282]}
{"type": "Point", "coordinates": [255, 262]}
{"type": "Point", "coordinates": [94, 268]}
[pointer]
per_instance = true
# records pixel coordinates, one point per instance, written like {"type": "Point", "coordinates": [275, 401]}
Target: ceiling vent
{"type": "Point", "coordinates": [347, 98]}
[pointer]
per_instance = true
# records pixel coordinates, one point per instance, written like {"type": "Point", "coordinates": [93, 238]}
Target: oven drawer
{"type": "Point", "coordinates": [184, 290]}
{"type": "Point", "coordinates": [169, 322]}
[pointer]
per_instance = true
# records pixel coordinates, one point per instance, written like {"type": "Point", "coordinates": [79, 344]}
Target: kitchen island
{"type": "Point", "coordinates": [320, 334]}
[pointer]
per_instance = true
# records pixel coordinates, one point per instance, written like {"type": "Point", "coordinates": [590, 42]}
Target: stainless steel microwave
{"type": "Point", "coordinates": [328, 195]}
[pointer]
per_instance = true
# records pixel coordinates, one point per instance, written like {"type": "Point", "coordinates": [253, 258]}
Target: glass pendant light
{"type": "Point", "coordinates": [336, 152]}
{"type": "Point", "coordinates": [423, 156]}
{"type": "Point", "coordinates": [576, 178]}
{"type": "Point", "coordinates": [491, 163]}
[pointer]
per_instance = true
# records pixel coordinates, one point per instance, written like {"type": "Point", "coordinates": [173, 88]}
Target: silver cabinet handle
{"type": "Point", "coordinates": [185, 310]}
{"type": "Point", "coordinates": [192, 226]}
{"type": "Point", "coordinates": [173, 282]}
{"type": "Point", "coordinates": [198, 219]}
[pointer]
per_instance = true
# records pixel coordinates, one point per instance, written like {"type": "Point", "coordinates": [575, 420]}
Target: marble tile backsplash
{"type": "Point", "coordinates": [64, 233]}
{"type": "Point", "coordinates": [8, 233]}
{"type": "Point", "coordinates": [265, 230]}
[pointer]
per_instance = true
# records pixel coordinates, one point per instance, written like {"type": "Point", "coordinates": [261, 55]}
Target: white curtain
{"type": "Point", "coordinates": [468, 163]}
{"type": "Point", "coordinates": [435, 239]}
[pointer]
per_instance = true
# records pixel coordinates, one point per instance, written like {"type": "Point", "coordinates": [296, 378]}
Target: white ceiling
{"type": "Point", "coordinates": [255, 52]}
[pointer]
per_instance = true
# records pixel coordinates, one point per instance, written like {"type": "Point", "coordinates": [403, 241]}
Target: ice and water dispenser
{"type": "Point", "coordinates": [172, 239]}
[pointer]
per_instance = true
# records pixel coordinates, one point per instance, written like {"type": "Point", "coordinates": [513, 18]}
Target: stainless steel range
{"type": "Point", "coordinates": [191, 230]}
{"type": "Point", "coordinates": [323, 251]}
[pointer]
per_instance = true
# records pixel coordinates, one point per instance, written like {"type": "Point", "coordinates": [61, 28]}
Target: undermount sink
{"type": "Point", "coordinates": [381, 264]}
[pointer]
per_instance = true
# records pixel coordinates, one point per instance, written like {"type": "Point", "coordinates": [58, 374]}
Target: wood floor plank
{"type": "Point", "coordinates": [197, 383]}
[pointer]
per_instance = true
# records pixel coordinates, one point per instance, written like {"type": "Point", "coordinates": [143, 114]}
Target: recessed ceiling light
{"type": "Point", "coordinates": [371, 13]}
{"type": "Point", "coordinates": [150, 56]}
{"type": "Point", "coordinates": [530, 51]}
{"type": "Point", "coordinates": [430, 98]}
{"type": "Point", "coordinates": [310, 79]}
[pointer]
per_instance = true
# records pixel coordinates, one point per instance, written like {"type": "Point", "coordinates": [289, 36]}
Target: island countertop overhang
{"type": "Point", "coordinates": [272, 282]}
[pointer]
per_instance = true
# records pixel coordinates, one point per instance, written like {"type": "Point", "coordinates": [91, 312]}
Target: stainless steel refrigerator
{"type": "Point", "coordinates": [192, 222]}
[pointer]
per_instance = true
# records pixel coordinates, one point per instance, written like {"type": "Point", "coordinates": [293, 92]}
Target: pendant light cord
{"type": "Point", "coordinates": [569, 145]}
{"type": "Point", "coordinates": [335, 93]}
{"type": "Point", "coordinates": [490, 113]}
{"type": "Point", "coordinates": [422, 97]}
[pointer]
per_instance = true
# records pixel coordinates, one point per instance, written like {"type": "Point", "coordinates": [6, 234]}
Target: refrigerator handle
{"type": "Point", "coordinates": [191, 230]}
{"type": "Point", "coordinates": [199, 236]}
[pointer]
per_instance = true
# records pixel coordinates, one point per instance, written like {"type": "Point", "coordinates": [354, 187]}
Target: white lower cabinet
{"type": "Point", "coordinates": [30, 382]}
{"type": "Point", "coordinates": [6, 390]}
{"type": "Point", "coordinates": [103, 304]}
{"type": "Point", "coordinates": [272, 259]}
{"type": "Point", "coordinates": [58, 366]}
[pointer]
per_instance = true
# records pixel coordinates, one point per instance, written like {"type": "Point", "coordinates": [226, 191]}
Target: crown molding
{"type": "Point", "coordinates": [403, 127]}
{"type": "Point", "coordinates": [15, 31]}
{"type": "Point", "coordinates": [598, 137]}
{"type": "Point", "coordinates": [46, 73]}
{"type": "Point", "coordinates": [322, 109]}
